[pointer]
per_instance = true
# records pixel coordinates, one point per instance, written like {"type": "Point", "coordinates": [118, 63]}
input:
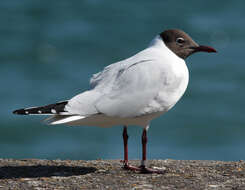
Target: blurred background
{"type": "Point", "coordinates": [50, 49]}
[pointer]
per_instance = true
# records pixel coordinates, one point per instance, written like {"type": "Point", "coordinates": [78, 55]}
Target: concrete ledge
{"type": "Point", "coordinates": [107, 174]}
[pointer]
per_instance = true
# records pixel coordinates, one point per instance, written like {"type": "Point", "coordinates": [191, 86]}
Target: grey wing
{"type": "Point", "coordinates": [125, 89]}
{"type": "Point", "coordinates": [133, 91]}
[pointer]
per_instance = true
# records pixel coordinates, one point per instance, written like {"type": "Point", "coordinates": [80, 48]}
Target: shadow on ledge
{"type": "Point", "coordinates": [8, 172]}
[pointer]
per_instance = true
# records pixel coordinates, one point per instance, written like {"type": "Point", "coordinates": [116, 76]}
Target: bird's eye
{"type": "Point", "coordinates": [180, 40]}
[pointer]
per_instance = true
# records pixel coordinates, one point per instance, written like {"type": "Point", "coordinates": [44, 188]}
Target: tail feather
{"type": "Point", "coordinates": [63, 119]}
{"type": "Point", "coordinates": [57, 108]}
{"type": "Point", "coordinates": [57, 111]}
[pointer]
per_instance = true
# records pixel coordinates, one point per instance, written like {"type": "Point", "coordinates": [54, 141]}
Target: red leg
{"type": "Point", "coordinates": [125, 143]}
{"type": "Point", "coordinates": [144, 169]}
{"type": "Point", "coordinates": [144, 142]}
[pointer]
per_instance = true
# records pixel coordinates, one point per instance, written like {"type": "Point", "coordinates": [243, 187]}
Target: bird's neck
{"type": "Point", "coordinates": [158, 44]}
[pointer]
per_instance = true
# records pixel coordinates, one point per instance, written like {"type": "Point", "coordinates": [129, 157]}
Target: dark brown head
{"type": "Point", "coordinates": [182, 44]}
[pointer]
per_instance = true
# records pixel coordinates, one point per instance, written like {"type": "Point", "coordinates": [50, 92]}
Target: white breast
{"type": "Point", "coordinates": [175, 82]}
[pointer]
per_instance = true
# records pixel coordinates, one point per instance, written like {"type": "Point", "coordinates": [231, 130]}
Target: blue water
{"type": "Point", "coordinates": [49, 49]}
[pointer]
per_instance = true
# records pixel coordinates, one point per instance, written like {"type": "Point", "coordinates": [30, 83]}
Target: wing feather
{"type": "Point", "coordinates": [138, 85]}
{"type": "Point", "coordinates": [128, 88]}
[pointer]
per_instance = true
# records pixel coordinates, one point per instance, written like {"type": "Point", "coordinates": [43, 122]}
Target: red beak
{"type": "Point", "coordinates": [204, 49]}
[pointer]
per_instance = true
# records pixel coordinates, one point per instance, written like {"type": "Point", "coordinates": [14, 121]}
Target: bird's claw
{"type": "Point", "coordinates": [142, 169]}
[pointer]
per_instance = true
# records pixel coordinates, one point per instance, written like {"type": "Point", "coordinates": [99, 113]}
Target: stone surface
{"type": "Point", "coordinates": [108, 174]}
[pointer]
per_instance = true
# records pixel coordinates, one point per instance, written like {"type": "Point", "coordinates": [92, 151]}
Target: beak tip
{"type": "Point", "coordinates": [206, 49]}
{"type": "Point", "coordinates": [212, 50]}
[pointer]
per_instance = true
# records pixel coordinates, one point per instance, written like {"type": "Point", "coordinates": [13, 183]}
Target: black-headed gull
{"type": "Point", "coordinates": [131, 92]}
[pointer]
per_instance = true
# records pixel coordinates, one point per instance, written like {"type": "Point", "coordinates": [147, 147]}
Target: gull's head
{"type": "Point", "coordinates": [182, 44]}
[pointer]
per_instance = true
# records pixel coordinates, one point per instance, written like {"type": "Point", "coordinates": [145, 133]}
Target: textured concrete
{"type": "Point", "coordinates": [108, 174]}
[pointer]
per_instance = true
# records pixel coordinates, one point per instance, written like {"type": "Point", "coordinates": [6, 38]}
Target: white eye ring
{"type": "Point", "coordinates": [180, 40]}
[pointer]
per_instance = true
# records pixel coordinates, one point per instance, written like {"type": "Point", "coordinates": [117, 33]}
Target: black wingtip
{"type": "Point", "coordinates": [19, 112]}
{"type": "Point", "coordinates": [42, 110]}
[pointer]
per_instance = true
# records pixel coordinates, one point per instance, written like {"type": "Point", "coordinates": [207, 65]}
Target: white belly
{"type": "Point", "coordinates": [172, 89]}
{"type": "Point", "coordinates": [101, 120]}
